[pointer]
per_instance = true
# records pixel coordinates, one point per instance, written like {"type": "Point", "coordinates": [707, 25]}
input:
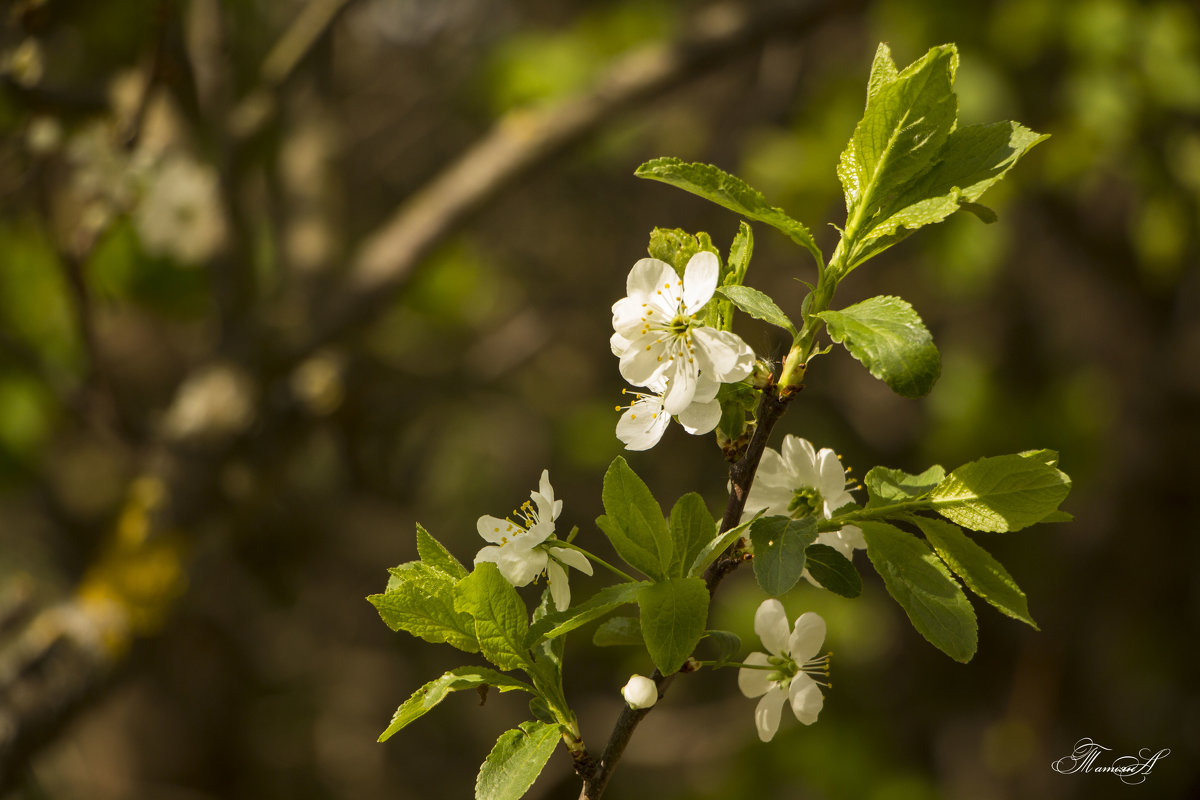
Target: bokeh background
{"type": "Point", "coordinates": [217, 429]}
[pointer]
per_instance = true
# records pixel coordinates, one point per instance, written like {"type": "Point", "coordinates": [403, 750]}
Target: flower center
{"type": "Point", "coordinates": [806, 501]}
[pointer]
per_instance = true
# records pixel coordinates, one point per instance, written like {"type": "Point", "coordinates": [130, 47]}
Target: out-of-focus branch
{"type": "Point", "coordinates": [523, 139]}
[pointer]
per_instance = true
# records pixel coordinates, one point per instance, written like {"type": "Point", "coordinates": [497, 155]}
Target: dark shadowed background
{"type": "Point", "coordinates": [244, 347]}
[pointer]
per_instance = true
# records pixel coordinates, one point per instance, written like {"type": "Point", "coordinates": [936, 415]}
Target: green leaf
{"type": "Point", "coordinates": [420, 601]}
{"type": "Point", "coordinates": [516, 761]}
{"type": "Point", "coordinates": [924, 588]}
{"type": "Point", "coordinates": [434, 692]}
{"type": "Point", "coordinates": [723, 644]}
{"type": "Point", "coordinates": [906, 122]}
{"type": "Point", "coordinates": [883, 71]}
{"type": "Point", "coordinates": [618, 631]}
{"type": "Point", "coordinates": [779, 545]}
{"type": "Point", "coordinates": [982, 574]}
{"type": "Point", "coordinates": [501, 619]}
{"type": "Point", "coordinates": [599, 604]}
{"type": "Point", "coordinates": [739, 256]}
{"type": "Point", "coordinates": [1001, 493]}
{"type": "Point", "coordinates": [888, 337]}
{"type": "Point", "coordinates": [435, 555]}
{"type": "Point", "coordinates": [634, 521]}
{"type": "Point", "coordinates": [713, 550]}
{"type": "Point", "coordinates": [833, 570]}
{"type": "Point", "coordinates": [972, 159]}
{"type": "Point", "coordinates": [887, 486]}
{"type": "Point", "coordinates": [758, 305]}
{"type": "Point", "coordinates": [691, 529]}
{"type": "Point", "coordinates": [673, 614]}
{"type": "Point", "coordinates": [729, 192]}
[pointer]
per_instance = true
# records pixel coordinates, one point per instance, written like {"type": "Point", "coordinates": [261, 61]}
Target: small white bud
{"type": "Point", "coordinates": [640, 692]}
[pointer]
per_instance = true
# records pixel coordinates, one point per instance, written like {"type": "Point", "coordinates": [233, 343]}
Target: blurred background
{"type": "Point", "coordinates": [254, 325]}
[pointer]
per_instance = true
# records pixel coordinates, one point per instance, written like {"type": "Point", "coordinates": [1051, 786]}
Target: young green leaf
{"type": "Point", "coordinates": [676, 247]}
{"type": "Point", "coordinates": [634, 521]}
{"type": "Point", "coordinates": [972, 159]}
{"type": "Point", "coordinates": [883, 71]}
{"type": "Point", "coordinates": [758, 305]}
{"type": "Point", "coordinates": [739, 256]}
{"type": "Point", "coordinates": [559, 622]}
{"type": "Point", "coordinates": [516, 761]}
{"type": "Point", "coordinates": [982, 574]}
{"type": "Point", "coordinates": [435, 555]}
{"type": "Point", "coordinates": [887, 486]}
{"type": "Point", "coordinates": [618, 631]}
{"type": "Point", "coordinates": [887, 336]}
{"type": "Point", "coordinates": [905, 124]}
{"type": "Point", "coordinates": [501, 619]}
{"type": "Point", "coordinates": [722, 644]}
{"type": "Point", "coordinates": [1001, 493]}
{"type": "Point", "coordinates": [833, 570]}
{"type": "Point", "coordinates": [712, 551]}
{"type": "Point", "coordinates": [779, 545]}
{"type": "Point", "coordinates": [420, 600]}
{"type": "Point", "coordinates": [434, 692]}
{"type": "Point", "coordinates": [924, 588]}
{"type": "Point", "coordinates": [673, 614]}
{"type": "Point", "coordinates": [729, 192]}
{"type": "Point", "coordinates": [691, 529]}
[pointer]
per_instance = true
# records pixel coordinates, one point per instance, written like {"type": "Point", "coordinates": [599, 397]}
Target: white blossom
{"type": "Point", "coordinates": [660, 337]}
{"type": "Point", "coordinates": [518, 544]}
{"type": "Point", "coordinates": [640, 692]}
{"type": "Point", "coordinates": [645, 420]}
{"type": "Point", "coordinates": [791, 661]}
{"type": "Point", "coordinates": [802, 481]}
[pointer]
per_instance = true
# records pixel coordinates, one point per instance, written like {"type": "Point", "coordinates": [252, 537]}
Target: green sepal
{"type": "Point", "coordinates": [982, 573]}
{"type": "Point", "coordinates": [1002, 493]}
{"type": "Point", "coordinates": [428, 696]}
{"type": "Point", "coordinates": [420, 600]}
{"type": "Point", "coordinates": [833, 570]}
{"type": "Point", "coordinates": [673, 614]}
{"type": "Point", "coordinates": [888, 337]}
{"type": "Point", "coordinates": [618, 631]}
{"type": "Point", "coordinates": [515, 762]}
{"type": "Point", "coordinates": [918, 580]}
{"type": "Point", "coordinates": [779, 551]}
{"type": "Point", "coordinates": [728, 191]}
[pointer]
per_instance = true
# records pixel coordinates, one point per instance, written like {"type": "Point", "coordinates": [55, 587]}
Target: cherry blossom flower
{"type": "Point", "coordinates": [801, 481]}
{"type": "Point", "coordinates": [645, 420]}
{"type": "Point", "coordinates": [640, 692]}
{"type": "Point", "coordinates": [518, 544]}
{"type": "Point", "coordinates": [794, 673]}
{"type": "Point", "coordinates": [659, 335]}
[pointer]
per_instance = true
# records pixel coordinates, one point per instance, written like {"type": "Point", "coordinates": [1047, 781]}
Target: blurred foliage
{"type": "Point", "coordinates": [1073, 323]}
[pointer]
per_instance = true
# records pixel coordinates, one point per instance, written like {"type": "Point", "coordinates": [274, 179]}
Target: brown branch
{"type": "Point", "coordinates": [741, 477]}
{"type": "Point", "coordinates": [523, 139]}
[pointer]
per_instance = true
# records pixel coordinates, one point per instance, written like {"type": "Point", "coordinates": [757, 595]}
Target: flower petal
{"type": "Point", "coordinates": [682, 386]}
{"type": "Point", "coordinates": [767, 713]}
{"type": "Point", "coordinates": [771, 625]}
{"type": "Point", "coordinates": [496, 530]}
{"type": "Point", "coordinates": [520, 567]}
{"type": "Point", "coordinates": [755, 682]}
{"type": "Point", "coordinates": [645, 359]}
{"type": "Point", "coordinates": [572, 558]}
{"type": "Point", "coordinates": [699, 418]}
{"type": "Point", "coordinates": [643, 424]}
{"type": "Point", "coordinates": [806, 698]}
{"type": "Point", "coordinates": [801, 461]}
{"type": "Point", "coordinates": [560, 588]}
{"type": "Point", "coordinates": [807, 636]}
{"type": "Point", "coordinates": [646, 277]}
{"type": "Point", "coordinates": [724, 353]}
{"type": "Point", "coordinates": [490, 553]}
{"type": "Point", "coordinates": [699, 280]}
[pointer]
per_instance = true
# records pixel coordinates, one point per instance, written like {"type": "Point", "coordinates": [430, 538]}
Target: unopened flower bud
{"type": "Point", "coordinates": [640, 692]}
